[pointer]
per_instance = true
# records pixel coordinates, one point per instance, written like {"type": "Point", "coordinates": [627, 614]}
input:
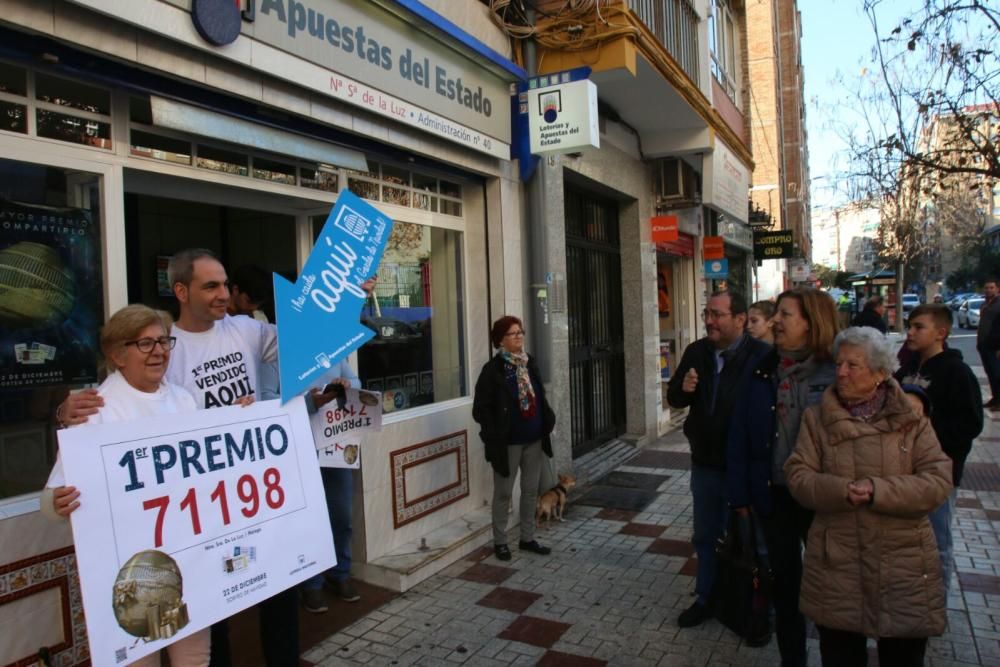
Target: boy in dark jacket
{"type": "Point", "coordinates": [956, 405]}
{"type": "Point", "coordinates": [708, 379]}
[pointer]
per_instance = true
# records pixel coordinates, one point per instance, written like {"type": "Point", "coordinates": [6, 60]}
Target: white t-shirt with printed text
{"type": "Point", "coordinates": [219, 366]}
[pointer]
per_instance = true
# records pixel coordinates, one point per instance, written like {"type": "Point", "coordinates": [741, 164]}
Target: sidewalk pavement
{"type": "Point", "coordinates": [622, 569]}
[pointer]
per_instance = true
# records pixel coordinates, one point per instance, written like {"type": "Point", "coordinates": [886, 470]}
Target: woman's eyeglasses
{"type": "Point", "coordinates": [146, 345]}
{"type": "Point", "coordinates": [514, 333]}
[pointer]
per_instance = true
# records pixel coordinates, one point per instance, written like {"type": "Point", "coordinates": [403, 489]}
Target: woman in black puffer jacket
{"type": "Point", "coordinates": [515, 421]}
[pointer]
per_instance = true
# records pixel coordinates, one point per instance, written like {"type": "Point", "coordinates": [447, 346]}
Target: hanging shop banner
{"type": "Point", "coordinates": [318, 315]}
{"type": "Point", "coordinates": [562, 115]}
{"type": "Point", "coordinates": [50, 311]}
{"type": "Point", "coordinates": [665, 229]}
{"type": "Point", "coordinates": [716, 269]}
{"type": "Point", "coordinates": [340, 419]}
{"type": "Point", "coordinates": [713, 247]}
{"type": "Point", "coordinates": [184, 522]}
{"type": "Point", "coordinates": [773, 245]}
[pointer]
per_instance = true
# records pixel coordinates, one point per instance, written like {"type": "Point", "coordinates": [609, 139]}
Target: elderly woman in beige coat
{"type": "Point", "coordinates": [872, 469]}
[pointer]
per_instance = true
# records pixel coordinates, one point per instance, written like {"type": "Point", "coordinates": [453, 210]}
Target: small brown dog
{"type": "Point", "coordinates": [552, 502]}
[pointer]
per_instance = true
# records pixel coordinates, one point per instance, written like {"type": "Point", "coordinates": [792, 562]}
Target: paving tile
{"type": "Point", "coordinates": [642, 530]}
{"type": "Point", "coordinates": [484, 573]}
{"type": "Point", "coordinates": [979, 583]}
{"type": "Point", "coordinates": [690, 567]}
{"type": "Point", "coordinates": [612, 514]}
{"type": "Point", "coordinates": [482, 553]}
{"type": "Point", "coordinates": [969, 502]}
{"type": "Point", "coordinates": [559, 659]}
{"type": "Point", "coordinates": [534, 631]}
{"type": "Point", "coordinates": [671, 548]}
{"type": "Point", "coordinates": [509, 599]}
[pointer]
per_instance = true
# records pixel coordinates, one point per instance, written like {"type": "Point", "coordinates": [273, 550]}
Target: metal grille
{"type": "Point", "coordinates": [596, 338]}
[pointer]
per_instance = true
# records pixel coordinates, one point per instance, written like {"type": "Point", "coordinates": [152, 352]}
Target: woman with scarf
{"type": "Point", "coordinates": [872, 469]}
{"type": "Point", "coordinates": [515, 421]}
{"type": "Point", "coordinates": [765, 425]}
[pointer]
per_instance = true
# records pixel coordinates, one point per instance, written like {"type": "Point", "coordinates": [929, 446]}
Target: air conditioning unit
{"type": "Point", "coordinates": [678, 185]}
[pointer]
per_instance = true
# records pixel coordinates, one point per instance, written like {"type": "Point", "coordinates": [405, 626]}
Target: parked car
{"type": "Point", "coordinates": [910, 301]}
{"type": "Point", "coordinates": [968, 312]}
{"type": "Point", "coordinates": [956, 300]}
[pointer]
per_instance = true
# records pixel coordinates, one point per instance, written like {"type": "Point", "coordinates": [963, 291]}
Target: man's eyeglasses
{"type": "Point", "coordinates": [514, 333]}
{"type": "Point", "coordinates": [146, 345]}
{"type": "Point", "coordinates": [714, 314]}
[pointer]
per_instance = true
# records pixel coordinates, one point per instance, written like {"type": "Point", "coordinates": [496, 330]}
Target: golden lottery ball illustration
{"type": "Point", "coordinates": [147, 596]}
{"type": "Point", "coordinates": [350, 454]}
{"type": "Point", "coordinates": [36, 287]}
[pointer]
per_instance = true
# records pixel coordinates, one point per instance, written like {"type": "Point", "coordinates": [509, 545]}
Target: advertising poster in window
{"type": "Point", "coordinates": [50, 295]}
{"type": "Point", "coordinates": [183, 524]}
{"type": "Point", "coordinates": [665, 294]}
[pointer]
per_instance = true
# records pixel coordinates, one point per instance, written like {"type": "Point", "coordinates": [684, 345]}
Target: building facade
{"type": "Point", "coordinates": [778, 130]}
{"type": "Point", "coordinates": [133, 129]}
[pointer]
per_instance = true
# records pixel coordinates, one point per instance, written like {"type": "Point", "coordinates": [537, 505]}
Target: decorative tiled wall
{"type": "Point", "coordinates": [55, 569]}
{"type": "Point", "coordinates": [409, 506]}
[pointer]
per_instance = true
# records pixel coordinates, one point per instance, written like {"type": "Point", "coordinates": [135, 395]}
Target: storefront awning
{"type": "Point", "coordinates": [203, 122]}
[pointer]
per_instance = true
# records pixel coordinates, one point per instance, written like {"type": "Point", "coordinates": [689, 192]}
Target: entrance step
{"type": "Point", "coordinates": [597, 463]}
{"type": "Point", "coordinates": [408, 565]}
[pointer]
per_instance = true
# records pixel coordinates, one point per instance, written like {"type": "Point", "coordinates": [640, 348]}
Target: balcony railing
{"type": "Point", "coordinates": [675, 24]}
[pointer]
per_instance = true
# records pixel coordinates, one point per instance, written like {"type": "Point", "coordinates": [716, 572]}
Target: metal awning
{"type": "Point", "coordinates": [212, 124]}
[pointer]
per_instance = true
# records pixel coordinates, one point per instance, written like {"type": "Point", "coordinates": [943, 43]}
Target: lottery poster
{"type": "Point", "coordinates": [186, 521]}
{"type": "Point", "coordinates": [341, 417]}
{"type": "Point", "coordinates": [51, 304]}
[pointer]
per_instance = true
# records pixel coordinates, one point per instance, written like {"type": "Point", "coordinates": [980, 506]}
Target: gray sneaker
{"type": "Point", "coordinates": [313, 600]}
{"type": "Point", "coordinates": [345, 590]}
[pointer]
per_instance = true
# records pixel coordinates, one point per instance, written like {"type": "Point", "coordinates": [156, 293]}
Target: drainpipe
{"type": "Point", "coordinates": [538, 247]}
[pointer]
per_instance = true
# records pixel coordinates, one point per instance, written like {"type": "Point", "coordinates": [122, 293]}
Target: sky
{"type": "Point", "coordinates": [836, 41]}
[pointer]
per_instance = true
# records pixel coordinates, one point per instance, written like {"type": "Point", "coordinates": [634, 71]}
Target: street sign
{"type": "Point", "coordinates": [318, 314]}
{"type": "Point", "coordinates": [713, 247]}
{"type": "Point", "coordinates": [773, 245]}
{"type": "Point", "coordinates": [665, 228]}
{"type": "Point", "coordinates": [716, 269]}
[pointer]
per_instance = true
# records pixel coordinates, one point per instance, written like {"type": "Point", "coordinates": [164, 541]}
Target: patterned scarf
{"type": "Point", "coordinates": [869, 407]}
{"type": "Point", "coordinates": [525, 392]}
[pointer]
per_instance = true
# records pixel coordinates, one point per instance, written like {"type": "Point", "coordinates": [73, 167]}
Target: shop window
{"type": "Point", "coordinates": [416, 311]}
{"type": "Point", "coordinates": [13, 80]}
{"type": "Point", "coordinates": [395, 175]}
{"type": "Point", "coordinates": [74, 129]}
{"type": "Point", "coordinates": [276, 172]}
{"type": "Point", "coordinates": [319, 179]}
{"type": "Point", "coordinates": [51, 309]}
{"type": "Point", "coordinates": [425, 183]}
{"type": "Point", "coordinates": [72, 94]}
{"type": "Point", "coordinates": [220, 159]}
{"type": "Point", "coordinates": [147, 144]}
{"type": "Point", "coordinates": [397, 196]}
{"type": "Point", "coordinates": [362, 188]}
{"type": "Point", "coordinates": [13, 117]}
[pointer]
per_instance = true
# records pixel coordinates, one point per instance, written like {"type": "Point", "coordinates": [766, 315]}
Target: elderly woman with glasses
{"type": "Point", "coordinates": [515, 421]}
{"type": "Point", "coordinates": [872, 470]}
{"type": "Point", "coordinates": [136, 348]}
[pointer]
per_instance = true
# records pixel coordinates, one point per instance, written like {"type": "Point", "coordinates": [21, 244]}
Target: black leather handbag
{"type": "Point", "coordinates": [741, 595]}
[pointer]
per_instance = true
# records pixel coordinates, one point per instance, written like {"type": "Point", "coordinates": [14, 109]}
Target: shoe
{"type": "Point", "coordinates": [313, 600]}
{"type": "Point", "coordinates": [535, 547]}
{"type": "Point", "coordinates": [345, 590]}
{"type": "Point", "coordinates": [694, 615]}
{"type": "Point", "coordinates": [502, 551]}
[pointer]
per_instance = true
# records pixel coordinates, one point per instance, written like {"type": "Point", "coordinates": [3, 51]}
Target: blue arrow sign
{"type": "Point", "coordinates": [318, 316]}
